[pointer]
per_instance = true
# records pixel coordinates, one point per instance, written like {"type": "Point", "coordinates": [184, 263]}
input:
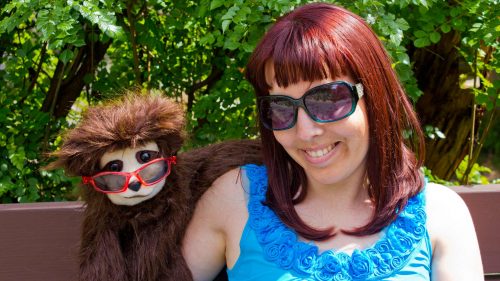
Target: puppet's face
{"type": "Point", "coordinates": [129, 160]}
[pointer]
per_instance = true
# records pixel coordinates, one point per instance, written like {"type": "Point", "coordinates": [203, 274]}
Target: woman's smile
{"type": "Point", "coordinates": [321, 154]}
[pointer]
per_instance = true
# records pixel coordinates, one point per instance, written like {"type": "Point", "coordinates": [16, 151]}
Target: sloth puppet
{"type": "Point", "coordinates": [139, 193]}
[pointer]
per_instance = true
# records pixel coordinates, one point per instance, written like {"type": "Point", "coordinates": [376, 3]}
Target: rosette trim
{"type": "Point", "coordinates": [282, 246]}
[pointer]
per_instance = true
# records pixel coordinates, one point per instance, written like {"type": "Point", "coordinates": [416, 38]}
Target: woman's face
{"type": "Point", "coordinates": [330, 153]}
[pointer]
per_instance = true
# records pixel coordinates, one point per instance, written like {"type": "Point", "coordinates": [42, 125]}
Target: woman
{"type": "Point", "coordinates": [341, 195]}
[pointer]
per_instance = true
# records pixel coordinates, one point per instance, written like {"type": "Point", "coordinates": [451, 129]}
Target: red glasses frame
{"type": "Point", "coordinates": [90, 179]}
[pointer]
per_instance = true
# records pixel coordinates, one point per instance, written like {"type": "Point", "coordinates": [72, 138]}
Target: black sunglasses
{"type": "Point", "coordinates": [324, 103]}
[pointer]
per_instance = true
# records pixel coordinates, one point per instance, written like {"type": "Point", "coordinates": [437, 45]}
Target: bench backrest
{"type": "Point", "coordinates": [39, 241]}
{"type": "Point", "coordinates": [484, 204]}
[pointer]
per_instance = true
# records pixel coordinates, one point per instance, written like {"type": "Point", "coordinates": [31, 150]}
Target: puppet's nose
{"type": "Point", "coordinates": [135, 185]}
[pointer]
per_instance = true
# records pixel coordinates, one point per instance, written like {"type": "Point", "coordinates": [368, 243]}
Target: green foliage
{"type": "Point", "coordinates": [433, 178]}
{"type": "Point", "coordinates": [433, 132]}
{"type": "Point", "coordinates": [476, 175]}
{"type": "Point", "coordinates": [195, 51]}
{"type": "Point", "coordinates": [21, 145]}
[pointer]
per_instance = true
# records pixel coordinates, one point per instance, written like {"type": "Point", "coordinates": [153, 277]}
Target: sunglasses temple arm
{"type": "Point", "coordinates": [173, 159]}
{"type": "Point", "coordinates": [359, 90]}
{"type": "Point", "coordinates": [86, 180]}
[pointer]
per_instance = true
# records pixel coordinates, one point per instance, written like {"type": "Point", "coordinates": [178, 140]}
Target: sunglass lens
{"type": "Point", "coordinates": [330, 103]}
{"type": "Point", "coordinates": [154, 172]}
{"type": "Point", "coordinates": [110, 182]}
{"type": "Point", "coordinates": [277, 112]}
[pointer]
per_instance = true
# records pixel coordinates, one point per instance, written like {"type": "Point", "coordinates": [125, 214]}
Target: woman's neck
{"type": "Point", "coordinates": [343, 204]}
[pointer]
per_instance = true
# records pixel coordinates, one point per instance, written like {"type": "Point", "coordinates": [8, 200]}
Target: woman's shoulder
{"type": "Point", "coordinates": [218, 217]}
{"type": "Point", "coordinates": [226, 191]}
{"type": "Point", "coordinates": [447, 213]}
{"type": "Point", "coordinates": [453, 238]}
{"type": "Point", "coordinates": [445, 208]}
{"type": "Point", "coordinates": [225, 201]}
{"type": "Point", "coordinates": [440, 198]}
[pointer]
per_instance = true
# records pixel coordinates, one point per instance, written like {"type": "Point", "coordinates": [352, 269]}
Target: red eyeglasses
{"type": "Point", "coordinates": [116, 182]}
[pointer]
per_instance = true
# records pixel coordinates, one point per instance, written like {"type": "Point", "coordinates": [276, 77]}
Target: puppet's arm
{"type": "Point", "coordinates": [101, 256]}
{"type": "Point", "coordinates": [178, 270]}
{"type": "Point", "coordinates": [159, 258]}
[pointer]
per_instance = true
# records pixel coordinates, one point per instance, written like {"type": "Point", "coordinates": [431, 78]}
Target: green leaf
{"type": "Point", "coordinates": [66, 56]}
{"type": "Point", "coordinates": [402, 24]}
{"type": "Point", "coordinates": [428, 27]}
{"type": "Point", "coordinates": [216, 4]}
{"type": "Point", "coordinates": [21, 53]}
{"type": "Point", "coordinates": [435, 37]}
{"type": "Point", "coordinates": [420, 34]}
{"type": "Point", "coordinates": [422, 42]}
{"type": "Point", "coordinates": [423, 3]}
{"type": "Point", "coordinates": [208, 39]}
{"type": "Point", "coordinates": [455, 11]}
{"type": "Point", "coordinates": [445, 28]}
{"type": "Point", "coordinates": [17, 158]}
{"type": "Point", "coordinates": [225, 24]}
{"type": "Point", "coordinates": [33, 181]}
{"type": "Point", "coordinates": [403, 58]}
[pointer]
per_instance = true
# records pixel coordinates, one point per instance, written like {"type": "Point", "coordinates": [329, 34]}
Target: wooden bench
{"type": "Point", "coordinates": [39, 241]}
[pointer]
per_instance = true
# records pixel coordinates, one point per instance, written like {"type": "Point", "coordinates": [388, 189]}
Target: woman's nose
{"type": "Point", "coordinates": [306, 127]}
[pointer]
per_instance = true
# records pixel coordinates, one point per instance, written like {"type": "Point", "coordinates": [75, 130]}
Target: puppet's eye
{"type": "Point", "coordinates": [144, 156]}
{"type": "Point", "coordinates": [113, 166]}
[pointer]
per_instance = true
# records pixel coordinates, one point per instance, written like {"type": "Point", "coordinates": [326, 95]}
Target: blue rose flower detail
{"type": "Point", "coordinates": [361, 266]}
{"type": "Point", "coordinates": [419, 231]}
{"type": "Point", "coordinates": [420, 214]}
{"type": "Point", "coordinates": [406, 223]}
{"type": "Point", "coordinates": [383, 246]}
{"type": "Point", "coordinates": [400, 241]}
{"type": "Point", "coordinates": [396, 262]}
{"type": "Point", "coordinates": [286, 257]}
{"type": "Point", "coordinates": [286, 236]}
{"type": "Point", "coordinates": [259, 223]}
{"type": "Point", "coordinates": [270, 234]}
{"type": "Point", "coordinates": [272, 251]}
{"type": "Point", "coordinates": [379, 263]}
{"type": "Point", "coordinates": [405, 240]}
{"type": "Point", "coordinates": [323, 275]}
{"type": "Point", "coordinates": [305, 255]}
{"type": "Point", "coordinates": [256, 208]}
{"type": "Point", "coordinates": [342, 276]}
{"type": "Point", "coordinates": [330, 262]}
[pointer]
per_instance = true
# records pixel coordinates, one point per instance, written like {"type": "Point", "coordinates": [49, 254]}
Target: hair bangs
{"type": "Point", "coordinates": [305, 51]}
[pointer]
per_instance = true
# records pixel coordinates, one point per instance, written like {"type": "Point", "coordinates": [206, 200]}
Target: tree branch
{"type": "Point", "coordinates": [38, 69]}
{"type": "Point", "coordinates": [133, 35]}
{"type": "Point", "coordinates": [215, 75]}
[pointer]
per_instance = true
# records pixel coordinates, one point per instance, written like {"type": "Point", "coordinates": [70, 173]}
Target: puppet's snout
{"type": "Point", "coordinates": [134, 185]}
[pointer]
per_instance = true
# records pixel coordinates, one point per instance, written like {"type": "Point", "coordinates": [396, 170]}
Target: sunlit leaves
{"type": "Point", "coordinates": [101, 16]}
{"type": "Point", "coordinates": [180, 44]}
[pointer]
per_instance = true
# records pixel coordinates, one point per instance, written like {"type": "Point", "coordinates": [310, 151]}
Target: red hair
{"type": "Point", "coordinates": [318, 41]}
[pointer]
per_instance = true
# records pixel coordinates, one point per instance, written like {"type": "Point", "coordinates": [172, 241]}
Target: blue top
{"type": "Point", "coordinates": [269, 250]}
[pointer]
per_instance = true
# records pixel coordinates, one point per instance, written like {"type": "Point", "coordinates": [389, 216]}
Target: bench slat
{"type": "Point", "coordinates": [483, 202]}
{"type": "Point", "coordinates": [39, 241]}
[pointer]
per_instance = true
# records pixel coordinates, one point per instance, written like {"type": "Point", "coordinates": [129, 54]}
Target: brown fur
{"type": "Point", "coordinates": [145, 238]}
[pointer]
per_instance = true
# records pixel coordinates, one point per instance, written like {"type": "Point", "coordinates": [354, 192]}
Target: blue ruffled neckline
{"type": "Point", "coordinates": [282, 246]}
